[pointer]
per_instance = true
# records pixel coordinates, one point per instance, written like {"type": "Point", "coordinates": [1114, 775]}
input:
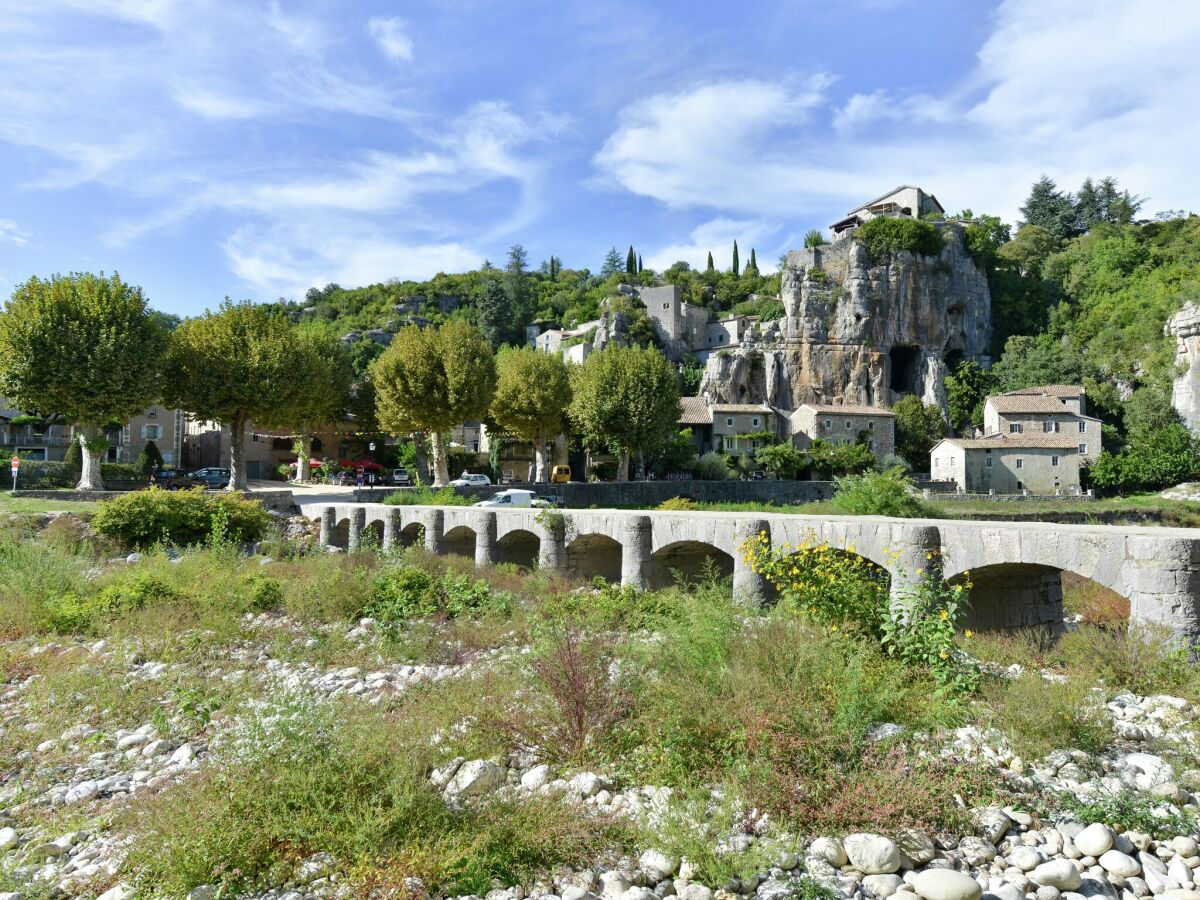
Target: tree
{"type": "Point", "coordinates": [429, 381]}
{"type": "Point", "coordinates": [235, 366]}
{"type": "Point", "coordinates": [1028, 251]}
{"type": "Point", "coordinates": [1032, 361]}
{"type": "Point", "coordinates": [493, 310]}
{"type": "Point", "coordinates": [612, 263]}
{"type": "Point", "coordinates": [752, 266]}
{"type": "Point", "coordinates": [631, 262]}
{"type": "Point", "coordinates": [783, 460]}
{"type": "Point", "coordinates": [639, 267]}
{"type": "Point", "coordinates": [814, 237]}
{"type": "Point", "coordinates": [880, 494]}
{"type": "Point", "coordinates": [326, 396]}
{"type": "Point", "coordinates": [736, 266]}
{"type": "Point", "coordinates": [1104, 203]}
{"type": "Point", "coordinates": [1052, 209]}
{"type": "Point", "coordinates": [520, 297]}
{"type": "Point", "coordinates": [966, 389]}
{"type": "Point", "coordinates": [85, 346]}
{"type": "Point", "coordinates": [625, 400]}
{"type": "Point", "coordinates": [149, 460]}
{"type": "Point", "coordinates": [533, 393]}
{"type": "Point", "coordinates": [711, 267]}
{"type": "Point", "coordinates": [1154, 459]}
{"type": "Point", "coordinates": [918, 428]}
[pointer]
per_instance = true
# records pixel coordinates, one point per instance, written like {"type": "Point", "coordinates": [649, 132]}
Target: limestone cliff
{"type": "Point", "coordinates": [862, 331]}
{"type": "Point", "coordinates": [1184, 326]}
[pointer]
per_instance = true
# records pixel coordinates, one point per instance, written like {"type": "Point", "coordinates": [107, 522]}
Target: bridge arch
{"type": "Point", "coordinates": [519, 547]}
{"type": "Point", "coordinates": [689, 561]}
{"type": "Point", "coordinates": [460, 541]}
{"type": "Point", "coordinates": [594, 555]}
{"type": "Point", "coordinates": [411, 535]}
{"type": "Point", "coordinates": [372, 534]}
{"type": "Point", "coordinates": [339, 535]}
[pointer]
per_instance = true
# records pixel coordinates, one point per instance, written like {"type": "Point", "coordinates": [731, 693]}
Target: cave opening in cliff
{"type": "Point", "coordinates": [904, 361]}
{"type": "Point", "coordinates": [953, 359]}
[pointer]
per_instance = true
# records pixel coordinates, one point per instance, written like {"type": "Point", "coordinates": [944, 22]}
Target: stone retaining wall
{"type": "Point", "coordinates": [581, 495]}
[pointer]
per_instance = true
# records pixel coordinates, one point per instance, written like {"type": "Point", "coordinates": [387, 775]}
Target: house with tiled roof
{"type": "Point", "coordinates": [1052, 409]}
{"type": "Point", "coordinates": [844, 424]}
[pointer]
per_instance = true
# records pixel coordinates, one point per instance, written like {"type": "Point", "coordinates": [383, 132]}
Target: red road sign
{"type": "Point", "coordinates": [16, 462]}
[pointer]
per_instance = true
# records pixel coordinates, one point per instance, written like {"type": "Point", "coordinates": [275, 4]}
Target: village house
{"type": "Point", "coordinates": [696, 415]}
{"type": "Point", "coordinates": [845, 425]}
{"type": "Point", "coordinates": [1056, 409]}
{"type": "Point", "coordinates": [906, 200]}
{"type": "Point", "coordinates": [741, 428]}
{"type": "Point", "coordinates": [42, 441]}
{"type": "Point", "coordinates": [1009, 463]}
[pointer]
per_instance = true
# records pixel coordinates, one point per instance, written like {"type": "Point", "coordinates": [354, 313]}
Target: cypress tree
{"type": "Point", "coordinates": [630, 262]}
{"type": "Point", "coordinates": [639, 262]}
{"type": "Point", "coordinates": [710, 262]}
{"type": "Point", "coordinates": [753, 262]}
{"type": "Point", "coordinates": [736, 265]}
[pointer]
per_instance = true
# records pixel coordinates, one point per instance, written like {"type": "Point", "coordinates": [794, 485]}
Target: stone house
{"type": "Point", "coordinates": [696, 415]}
{"type": "Point", "coordinates": [906, 200]}
{"type": "Point", "coordinates": [733, 425]}
{"type": "Point", "coordinates": [843, 425]}
{"type": "Point", "coordinates": [165, 427]}
{"type": "Point", "coordinates": [1009, 463]}
{"type": "Point", "coordinates": [676, 320]}
{"type": "Point", "coordinates": [728, 332]}
{"type": "Point", "coordinates": [49, 442]}
{"type": "Point", "coordinates": [1053, 409]}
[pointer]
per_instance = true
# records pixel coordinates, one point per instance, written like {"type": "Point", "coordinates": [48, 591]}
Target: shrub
{"type": "Point", "coordinates": [73, 612]}
{"type": "Point", "coordinates": [143, 518]}
{"type": "Point", "coordinates": [260, 592]}
{"type": "Point", "coordinates": [883, 236]}
{"type": "Point", "coordinates": [148, 460]}
{"type": "Point", "coordinates": [1134, 658]}
{"type": "Point", "coordinates": [1131, 810]}
{"type": "Point", "coordinates": [120, 472]}
{"type": "Point", "coordinates": [400, 593]}
{"type": "Point", "coordinates": [678, 504]}
{"type": "Point", "coordinates": [712, 467]}
{"type": "Point", "coordinates": [423, 495]}
{"type": "Point", "coordinates": [880, 494]}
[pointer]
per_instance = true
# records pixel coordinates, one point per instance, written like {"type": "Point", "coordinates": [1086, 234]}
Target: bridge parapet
{"type": "Point", "coordinates": [1015, 566]}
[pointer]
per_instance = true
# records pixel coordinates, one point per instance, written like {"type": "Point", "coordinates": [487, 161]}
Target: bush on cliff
{"type": "Point", "coordinates": [884, 236]}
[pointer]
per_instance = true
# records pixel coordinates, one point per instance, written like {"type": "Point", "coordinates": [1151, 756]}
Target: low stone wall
{"type": "Point", "coordinates": [280, 501]}
{"type": "Point", "coordinates": [580, 495]}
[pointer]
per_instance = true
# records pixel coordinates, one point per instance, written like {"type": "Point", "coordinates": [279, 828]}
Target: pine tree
{"type": "Point", "coordinates": [612, 263]}
{"type": "Point", "coordinates": [736, 264]}
{"type": "Point", "coordinates": [710, 262]}
{"type": "Point", "coordinates": [520, 296]}
{"type": "Point", "coordinates": [1051, 208]}
{"type": "Point", "coordinates": [493, 310]}
{"type": "Point", "coordinates": [630, 262]}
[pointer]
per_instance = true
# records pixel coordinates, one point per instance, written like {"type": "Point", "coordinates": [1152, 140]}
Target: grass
{"type": "Point", "coordinates": [23, 505]}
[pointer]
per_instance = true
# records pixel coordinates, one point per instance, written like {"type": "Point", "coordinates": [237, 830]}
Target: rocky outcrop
{"type": "Point", "coordinates": [1184, 326]}
{"type": "Point", "coordinates": [863, 331]}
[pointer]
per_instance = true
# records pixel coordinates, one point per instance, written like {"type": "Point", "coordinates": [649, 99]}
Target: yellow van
{"type": "Point", "coordinates": [560, 475]}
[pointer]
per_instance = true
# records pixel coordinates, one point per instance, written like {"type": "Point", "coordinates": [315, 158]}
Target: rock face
{"type": "Point", "coordinates": [1184, 326]}
{"type": "Point", "coordinates": [863, 331]}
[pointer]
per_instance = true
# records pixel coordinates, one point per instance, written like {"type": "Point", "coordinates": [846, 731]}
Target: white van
{"type": "Point", "coordinates": [513, 498]}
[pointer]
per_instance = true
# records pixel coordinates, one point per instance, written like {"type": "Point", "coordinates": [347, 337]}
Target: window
{"type": "Point", "coordinates": [754, 422]}
{"type": "Point", "coordinates": [729, 421]}
{"type": "Point", "coordinates": [1083, 449]}
{"type": "Point", "coordinates": [849, 425]}
{"type": "Point", "coordinates": [1082, 427]}
{"type": "Point", "coordinates": [987, 462]}
{"type": "Point", "coordinates": [151, 413]}
{"type": "Point", "coordinates": [151, 432]}
{"type": "Point", "coordinates": [871, 444]}
{"type": "Point", "coordinates": [1020, 463]}
{"type": "Point", "coordinates": [871, 425]}
{"type": "Point", "coordinates": [1014, 428]}
{"type": "Point", "coordinates": [1051, 427]}
{"type": "Point", "coordinates": [666, 306]}
{"type": "Point", "coordinates": [829, 423]}
{"type": "Point", "coordinates": [1054, 460]}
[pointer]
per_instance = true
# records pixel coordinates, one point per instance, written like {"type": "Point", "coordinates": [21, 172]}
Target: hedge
{"type": "Point", "coordinates": [883, 236]}
{"type": "Point", "coordinates": [143, 518]}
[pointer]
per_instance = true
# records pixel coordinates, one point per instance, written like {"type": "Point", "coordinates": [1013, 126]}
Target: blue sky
{"type": "Point", "coordinates": [254, 149]}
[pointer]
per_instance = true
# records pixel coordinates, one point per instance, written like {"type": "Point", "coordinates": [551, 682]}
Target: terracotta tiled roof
{"type": "Point", "coordinates": [1016, 442]}
{"type": "Point", "coordinates": [1028, 403]}
{"type": "Point", "coordinates": [740, 408]}
{"type": "Point", "coordinates": [1053, 390]}
{"type": "Point", "coordinates": [694, 411]}
{"type": "Point", "coordinates": [829, 408]}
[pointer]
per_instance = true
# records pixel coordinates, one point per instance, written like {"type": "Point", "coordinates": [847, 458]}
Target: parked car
{"type": "Point", "coordinates": [468, 479]}
{"type": "Point", "coordinates": [512, 498]}
{"type": "Point", "coordinates": [178, 480]}
{"type": "Point", "coordinates": [560, 475]}
{"type": "Point", "coordinates": [399, 478]}
{"type": "Point", "coordinates": [212, 476]}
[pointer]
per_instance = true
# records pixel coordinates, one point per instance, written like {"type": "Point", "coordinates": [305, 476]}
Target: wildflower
{"type": "Point", "coordinates": [943, 615]}
{"type": "Point", "coordinates": [969, 633]}
{"type": "Point", "coordinates": [943, 655]}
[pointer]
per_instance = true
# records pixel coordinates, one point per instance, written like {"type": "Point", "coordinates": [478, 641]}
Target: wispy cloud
{"type": "Point", "coordinates": [717, 236]}
{"type": "Point", "coordinates": [392, 38]}
{"type": "Point", "coordinates": [12, 233]}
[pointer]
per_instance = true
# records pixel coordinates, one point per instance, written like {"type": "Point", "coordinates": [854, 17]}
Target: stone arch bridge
{"type": "Point", "coordinates": [1015, 568]}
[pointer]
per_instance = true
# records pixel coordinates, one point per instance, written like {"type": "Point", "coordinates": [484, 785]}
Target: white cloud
{"type": "Point", "coordinates": [12, 233]}
{"type": "Point", "coordinates": [214, 105]}
{"type": "Point", "coordinates": [1065, 87]}
{"type": "Point", "coordinates": [288, 260]}
{"type": "Point", "coordinates": [717, 236]}
{"type": "Point", "coordinates": [390, 35]}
